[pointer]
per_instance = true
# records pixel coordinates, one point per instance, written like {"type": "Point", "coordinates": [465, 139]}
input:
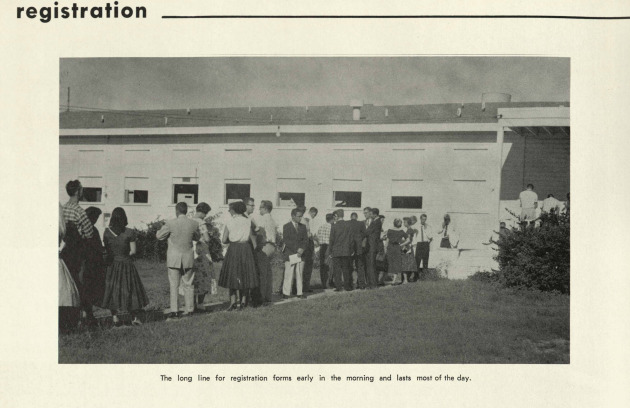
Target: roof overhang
{"type": "Point", "coordinates": [534, 117]}
{"type": "Point", "coordinates": [273, 129]}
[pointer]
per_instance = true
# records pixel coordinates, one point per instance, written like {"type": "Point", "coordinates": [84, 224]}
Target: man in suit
{"type": "Point", "coordinates": [341, 244]}
{"type": "Point", "coordinates": [311, 230]}
{"type": "Point", "coordinates": [181, 232]}
{"type": "Point", "coordinates": [295, 242]}
{"type": "Point", "coordinates": [358, 248]}
{"type": "Point", "coordinates": [373, 236]}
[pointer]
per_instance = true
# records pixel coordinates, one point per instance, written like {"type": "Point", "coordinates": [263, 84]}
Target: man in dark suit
{"type": "Point", "coordinates": [358, 245]}
{"type": "Point", "coordinates": [341, 242]}
{"type": "Point", "coordinates": [295, 242]}
{"type": "Point", "coordinates": [373, 235]}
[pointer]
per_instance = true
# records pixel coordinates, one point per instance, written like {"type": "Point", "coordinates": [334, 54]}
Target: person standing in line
{"type": "Point", "coordinates": [79, 230]}
{"type": "Point", "coordinates": [373, 237]}
{"type": "Point", "coordinates": [359, 243]}
{"type": "Point", "coordinates": [252, 295]}
{"type": "Point", "coordinates": [93, 270]}
{"type": "Point", "coordinates": [409, 266]}
{"type": "Point", "coordinates": [238, 273]}
{"type": "Point", "coordinates": [396, 239]}
{"type": "Point", "coordinates": [323, 239]}
{"type": "Point", "coordinates": [124, 292]}
{"type": "Point", "coordinates": [265, 248]}
{"type": "Point", "coordinates": [423, 246]}
{"type": "Point", "coordinates": [203, 281]}
{"type": "Point", "coordinates": [181, 232]}
{"type": "Point", "coordinates": [551, 205]}
{"type": "Point", "coordinates": [341, 241]}
{"type": "Point", "coordinates": [448, 236]}
{"type": "Point", "coordinates": [69, 302]}
{"type": "Point", "coordinates": [295, 242]}
{"type": "Point", "coordinates": [311, 229]}
{"type": "Point", "coordinates": [529, 203]}
{"type": "Point", "coordinates": [367, 215]}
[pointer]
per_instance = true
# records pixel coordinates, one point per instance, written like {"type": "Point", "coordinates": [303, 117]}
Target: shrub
{"type": "Point", "coordinates": [537, 258]}
{"type": "Point", "coordinates": [150, 248]}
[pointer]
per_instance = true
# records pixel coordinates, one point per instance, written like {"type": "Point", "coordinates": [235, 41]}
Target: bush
{"type": "Point", "coordinates": [150, 248]}
{"type": "Point", "coordinates": [537, 258]}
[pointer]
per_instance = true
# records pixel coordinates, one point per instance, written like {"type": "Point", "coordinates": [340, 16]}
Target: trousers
{"type": "Point", "coordinates": [342, 265]}
{"type": "Point", "coordinates": [185, 277]}
{"type": "Point", "coordinates": [291, 272]}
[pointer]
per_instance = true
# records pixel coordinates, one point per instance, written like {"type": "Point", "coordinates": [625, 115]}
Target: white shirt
{"type": "Point", "coordinates": [528, 198]}
{"type": "Point", "coordinates": [549, 203]}
{"type": "Point", "coordinates": [424, 233]}
{"type": "Point", "coordinates": [267, 223]}
{"type": "Point", "coordinates": [238, 228]}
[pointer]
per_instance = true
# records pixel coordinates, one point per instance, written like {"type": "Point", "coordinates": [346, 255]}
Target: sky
{"type": "Point", "coordinates": [180, 83]}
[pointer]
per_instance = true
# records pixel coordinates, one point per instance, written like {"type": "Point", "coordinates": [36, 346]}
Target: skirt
{"type": "Point", "coordinates": [409, 262]}
{"type": "Point", "coordinates": [239, 268]}
{"type": "Point", "coordinates": [124, 291]}
{"type": "Point", "coordinates": [394, 259]}
{"type": "Point", "coordinates": [68, 292]}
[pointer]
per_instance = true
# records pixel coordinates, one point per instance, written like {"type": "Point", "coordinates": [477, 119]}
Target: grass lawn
{"type": "Point", "coordinates": [426, 322]}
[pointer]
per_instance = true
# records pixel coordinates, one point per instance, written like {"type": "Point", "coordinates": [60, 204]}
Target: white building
{"type": "Point", "coordinates": [470, 161]}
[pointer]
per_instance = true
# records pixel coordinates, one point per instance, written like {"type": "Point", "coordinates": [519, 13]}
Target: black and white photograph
{"type": "Point", "coordinates": [315, 210]}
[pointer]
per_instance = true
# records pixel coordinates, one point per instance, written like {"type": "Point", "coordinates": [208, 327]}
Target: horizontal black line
{"type": "Point", "coordinates": [317, 16]}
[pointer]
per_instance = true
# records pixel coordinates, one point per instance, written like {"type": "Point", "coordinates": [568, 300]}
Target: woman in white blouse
{"type": "Point", "coordinates": [238, 273]}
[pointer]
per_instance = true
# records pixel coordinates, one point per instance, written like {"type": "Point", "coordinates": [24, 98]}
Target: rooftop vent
{"type": "Point", "coordinates": [356, 108]}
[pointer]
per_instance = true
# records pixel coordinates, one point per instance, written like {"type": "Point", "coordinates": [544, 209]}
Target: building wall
{"type": "Point", "coordinates": [454, 173]}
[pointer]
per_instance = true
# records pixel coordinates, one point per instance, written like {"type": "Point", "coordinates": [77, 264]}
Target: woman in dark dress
{"type": "Point", "coordinates": [93, 270]}
{"type": "Point", "coordinates": [238, 272]}
{"type": "Point", "coordinates": [124, 292]}
{"type": "Point", "coordinates": [396, 237]}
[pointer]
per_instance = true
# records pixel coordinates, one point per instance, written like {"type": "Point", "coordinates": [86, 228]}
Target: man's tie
{"type": "Point", "coordinates": [446, 230]}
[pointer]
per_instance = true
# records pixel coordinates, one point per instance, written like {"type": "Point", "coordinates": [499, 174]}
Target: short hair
{"type": "Point", "coordinates": [118, 220]}
{"type": "Point", "coordinates": [267, 205]}
{"type": "Point", "coordinates": [354, 215]}
{"type": "Point", "coordinates": [297, 210]}
{"type": "Point", "coordinates": [549, 195]}
{"type": "Point", "coordinates": [238, 207]}
{"type": "Point", "coordinates": [339, 213]}
{"type": "Point", "coordinates": [93, 213]}
{"type": "Point", "coordinates": [397, 222]}
{"type": "Point", "coordinates": [181, 208]}
{"type": "Point", "coordinates": [72, 187]}
{"type": "Point", "coordinates": [301, 208]}
{"type": "Point", "coordinates": [502, 224]}
{"type": "Point", "coordinates": [374, 211]}
{"type": "Point", "coordinates": [313, 210]}
{"type": "Point", "coordinates": [248, 199]}
{"type": "Point", "coordinates": [414, 218]}
{"type": "Point", "coordinates": [203, 208]}
{"type": "Point", "coordinates": [423, 216]}
{"type": "Point", "coordinates": [530, 186]}
{"type": "Point", "coordinates": [329, 217]}
{"type": "Point", "coordinates": [367, 209]}
{"type": "Point", "coordinates": [447, 217]}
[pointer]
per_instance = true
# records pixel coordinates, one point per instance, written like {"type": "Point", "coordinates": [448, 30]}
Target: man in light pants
{"type": "Point", "coordinates": [295, 241]}
{"type": "Point", "coordinates": [181, 232]}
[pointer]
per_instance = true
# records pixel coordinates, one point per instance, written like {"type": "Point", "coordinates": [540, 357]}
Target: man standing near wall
{"type": "Point", "coordinates": [423, 246]}
{"type": "Point", "coordinates": [358, 247]}
{"type": "Point", "coordinates": [373, 235]}
{"type": "Point", "coordinates": [323, 239]}
{"type": "Point", "coordinates": [78, 231]}
{"type": "Point", "coordinates": [341, 240]}
{"type": "Point", "coordinates": [529, 203]}
{"type": "Point", "coordinates": [295, 241]}
{"type": "Point", "coordinates": [265, 248]}
{"type": "Point", "coordinates": [181, 232]}
{"type": "Point", "coordinates": [311, 229]}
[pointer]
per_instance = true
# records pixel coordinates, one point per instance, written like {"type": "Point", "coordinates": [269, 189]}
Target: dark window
{"type": "Point", "coordinates": [92, 194]}
{"type": "Point", "coordinates": [291, 199]}
{"type": "Point", "coordinates": [347, 199]}
{"type": "Point", "coordinates": [412, 202]}
{"type": "Point", "coordinates": [236, 192]}
{"type": "Point", "coordinates": [187, 193]}
{"type": "Point", "coordinates": [137, 196]}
